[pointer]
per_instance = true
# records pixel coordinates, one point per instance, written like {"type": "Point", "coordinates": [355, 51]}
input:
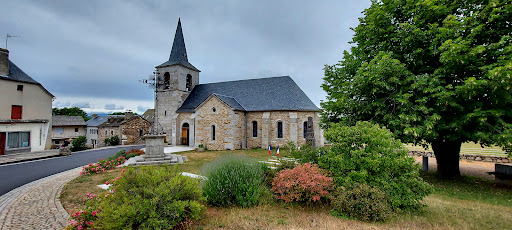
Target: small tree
{"type": "Point", "coordinates": [368, 154]}
{"type": "Point", "coordinates": [78, 144]}
{"type": "Point", "coordinates": [111, 141]}
{"type": "Point", "coordinates": [75, 111]}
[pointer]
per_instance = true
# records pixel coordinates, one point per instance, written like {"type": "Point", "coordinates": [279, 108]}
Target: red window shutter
{"type": "Point", "coordinates": [16, 112]}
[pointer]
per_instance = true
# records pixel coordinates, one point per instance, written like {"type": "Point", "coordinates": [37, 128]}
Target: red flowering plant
{"type": "Point", "coordinates": [304, 183]}
{"type": "Point", "coordinates": [102, 165]}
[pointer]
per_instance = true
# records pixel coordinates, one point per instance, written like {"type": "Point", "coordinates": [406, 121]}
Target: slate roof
{"type": "Point", "coordinates": [61, 120]}
{"type": "Point", "coordinates": [149, 115]}
{"type": "Point", "coordinates": [100, 120]}
{"type": "Point", "coordinates": [178, 52]}
{"type": "Point", "coordinates": [263, 94]}
{"type": "Point", "coordinates": [16, 74]}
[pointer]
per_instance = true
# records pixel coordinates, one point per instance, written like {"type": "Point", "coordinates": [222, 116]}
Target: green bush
{"type": "Point", "coordinates": [111, 141]}
{"type": "Point", "coordinates": [368, 154]}
{"type": "Point", "coordinates": [360, 201]}
{"type": "Point", "coordinates": [269, 174]}
{"type": "Point", "coordinates": [151, 198]}
{"type": "Point", "coordinates": [306, 153]}
{"type": "Point", "coordinates": [78, 144]}
{"type": "Point", "coordinates": [232, 180]}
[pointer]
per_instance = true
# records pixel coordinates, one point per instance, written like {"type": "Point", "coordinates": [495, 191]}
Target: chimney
{"type": "Point", "coordinates": [4, 62]}
{"type": "Point", "coordinates": [128, 115]}
{"type": "Point", "coordinates": [94, 116]}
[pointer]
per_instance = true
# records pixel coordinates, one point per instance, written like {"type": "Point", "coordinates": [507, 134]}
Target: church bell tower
{"type": "Point", "coordinates": [175, 80]}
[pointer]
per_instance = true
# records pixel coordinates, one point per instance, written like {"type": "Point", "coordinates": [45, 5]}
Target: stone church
{"type": "Point", "coordinates": [242, 114]}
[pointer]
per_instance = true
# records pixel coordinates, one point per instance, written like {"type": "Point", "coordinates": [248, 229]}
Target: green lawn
{"type": "Point", "coordinates": [465, 203]}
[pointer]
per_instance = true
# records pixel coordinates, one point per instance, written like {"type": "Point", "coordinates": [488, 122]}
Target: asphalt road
{"type": "Point", "coordinates": [18, 174]}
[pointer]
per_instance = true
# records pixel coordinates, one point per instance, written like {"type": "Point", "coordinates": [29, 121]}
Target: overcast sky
{"type": "Point", "coordinates": [92, 54]}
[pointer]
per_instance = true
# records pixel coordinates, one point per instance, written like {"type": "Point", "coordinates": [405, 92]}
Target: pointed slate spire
{"type": "Point", "coordinates": [178, 51]}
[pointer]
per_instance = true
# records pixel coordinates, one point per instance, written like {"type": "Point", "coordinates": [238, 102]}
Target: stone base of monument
{"type": "Point", "coordinates": [155, 153]}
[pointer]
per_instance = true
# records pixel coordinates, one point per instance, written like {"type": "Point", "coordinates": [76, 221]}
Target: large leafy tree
{"type": "Point", "coordinates": [75, 111]}
{"type": "Point", "coordinates": [433, 71]}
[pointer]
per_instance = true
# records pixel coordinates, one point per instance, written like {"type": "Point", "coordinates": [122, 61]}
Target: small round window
{"type": "Point", "coordinates": [214, 109]}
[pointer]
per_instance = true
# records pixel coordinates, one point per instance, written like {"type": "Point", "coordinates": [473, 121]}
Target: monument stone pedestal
{"type": "Point", "coordinates": [155, 152]}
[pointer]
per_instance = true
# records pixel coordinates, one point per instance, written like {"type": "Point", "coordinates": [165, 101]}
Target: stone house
{"type": "Point", "coordinates": [252, 113]}
{"type": "Point", "coordinates": [67, 128]}
{"type": "Point", "coordinates": [129, 128]}
{"type": "Point", "coordinates": [25, 110]}
{"type": "Point", "coordinates": [92, 132]}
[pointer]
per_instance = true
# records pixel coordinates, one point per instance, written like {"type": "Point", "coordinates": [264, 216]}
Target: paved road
{"type": "Point", "coordinates": [18, 174]}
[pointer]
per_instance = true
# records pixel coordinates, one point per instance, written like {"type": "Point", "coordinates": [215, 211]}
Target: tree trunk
{"type": "Point", "coordinates": [447, 157]}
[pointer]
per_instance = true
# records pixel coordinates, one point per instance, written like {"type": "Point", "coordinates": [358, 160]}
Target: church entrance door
{"type": "Point", "coordinates": [184, 134]}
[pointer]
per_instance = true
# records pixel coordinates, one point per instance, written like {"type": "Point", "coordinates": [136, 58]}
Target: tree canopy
{"type": "Point", "coordinates": [75, 111]}
{"type": "Point", "coordinates": [433, 71]}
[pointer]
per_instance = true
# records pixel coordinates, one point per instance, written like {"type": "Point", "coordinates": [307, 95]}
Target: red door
{"type": "Point", "coordinates": [2, 143]}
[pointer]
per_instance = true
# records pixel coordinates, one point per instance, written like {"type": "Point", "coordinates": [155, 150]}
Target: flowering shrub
{"type": "Point", "coordinates": [303, 183]}
{"type": "Point", "coordinates": [233, 180]}
{"type": "Point", "coordinates": [150, 198]}
{"type": "Point", "coordinates": [102, 165]}
{"type": "Point", "coordinates": [137, 152]}
{"type": "Point", "coordinates": [84, 219]}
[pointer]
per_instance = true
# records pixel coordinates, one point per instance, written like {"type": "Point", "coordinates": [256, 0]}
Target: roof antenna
{"type": "Point", "coordinates": [7, 39]}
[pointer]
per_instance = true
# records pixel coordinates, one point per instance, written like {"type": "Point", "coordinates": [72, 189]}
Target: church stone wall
{"type": "Point", "coordinates": [254, 142]}
{"type": "Point", "coordinates": [228, 125]}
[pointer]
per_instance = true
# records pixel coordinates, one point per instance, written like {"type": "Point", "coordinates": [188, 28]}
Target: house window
{"type": "Point", "coordinates": [112, 132]}
{"type": "Point", "coordinates": [305, 129]}
{"type": "Point", "coordinates": [59, 130]}
{"type": "Point", "coordinates": [279, 129]}
{"type": "Point", "coordinates": [140, 132]}
{"type": "Point", "coordinates": [18, 139]}
{"type": "Point", "coordinates": [16, 112]}
{"type": "Point", "coordinates": [213, 132]}
{"type": "Point", "coordinates": [189, 82]}
{"type": "Point", "coordinates": [76, 129]}
{"type": "Point", "coordinates": [254, 129]}
{"type": "Point", "coordinates": [20, 87]}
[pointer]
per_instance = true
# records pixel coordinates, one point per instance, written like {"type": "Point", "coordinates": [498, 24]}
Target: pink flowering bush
{"type": "Point", "coordinates": [303, 183]}
{"type": "Point", "coordinates": [84, 219]}
{"type": "Point", "coordinates": [102, 165]}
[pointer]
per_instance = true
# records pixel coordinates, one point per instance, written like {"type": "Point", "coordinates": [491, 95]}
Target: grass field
{"type": "Point", "coordinates": [466, 203]}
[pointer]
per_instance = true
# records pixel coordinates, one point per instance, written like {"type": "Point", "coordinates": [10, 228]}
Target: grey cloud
{"type": "Point", "coordinates": [113, 107]}
{"type": "Point", "coordinates": [82, 105]}
{"type": "Point", "coordinates": [82, 48]}
{"type": "Point", "coordinates": [142, 109]}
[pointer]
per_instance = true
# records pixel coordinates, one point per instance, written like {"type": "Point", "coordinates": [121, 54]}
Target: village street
{"type": "Point", "coordinates": [18, 174]}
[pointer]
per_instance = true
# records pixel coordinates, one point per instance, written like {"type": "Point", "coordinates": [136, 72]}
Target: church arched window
{"type": "Point", "coordinates": [189, 82]}
{"type": "Point", "coordinates": [167, 80]}
{"type": "Point", "coordinates": [279, 129]}
{"type": "Point", "coordinates": [305, 129]}
{"type": "Point", "coordinates": [213, 132]}
{"type": "Point", "coordinates": [254, 129]}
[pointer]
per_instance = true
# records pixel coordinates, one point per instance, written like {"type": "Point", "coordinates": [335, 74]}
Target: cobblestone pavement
{"type": "Point", "coordinates": [36, 205]}
{"type": "Point", "coordinates": [17, 157]}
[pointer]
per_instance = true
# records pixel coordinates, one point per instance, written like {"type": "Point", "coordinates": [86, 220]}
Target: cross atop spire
{"type": "Point", "coordinates": [178, 51]}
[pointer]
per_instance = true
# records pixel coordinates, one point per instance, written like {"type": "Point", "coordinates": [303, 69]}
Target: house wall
{"type": "Point", "coordinates": [107, 132]}
{"type": "Point", "coordinates": [131, 130]}
{"type": "Point", "coordinates": [37, 104]}
{"type": "Point", "coordinates": [68, 132]}
{"type": "Point", "coordinates": [91, 133]}
{"type": "Point", "coordinates": [38, 135]}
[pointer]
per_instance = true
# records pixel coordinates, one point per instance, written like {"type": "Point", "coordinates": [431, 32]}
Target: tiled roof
{"type": "Point", "coordinates": [178, 52]}
{"type": "Point", "coordinates": [16, 74]}
{"type": "Point", "coordinates": [263, 94]}
{"type": "Point", "coordinates": [100, 120]}
{"type": "Point", "coordinates": [61, 120]}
